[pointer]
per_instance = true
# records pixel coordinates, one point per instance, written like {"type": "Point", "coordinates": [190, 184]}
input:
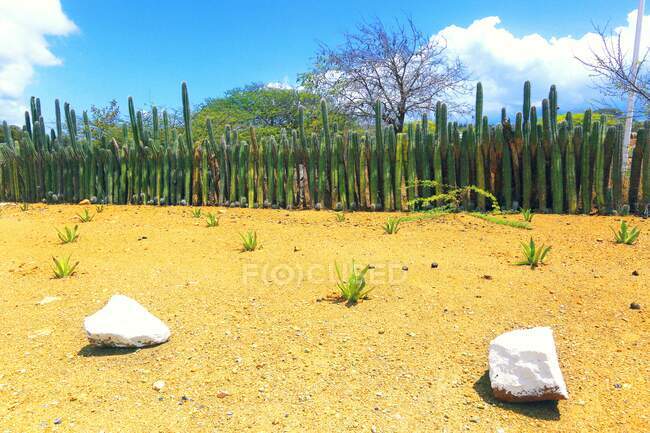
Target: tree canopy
{"type": "Point", "coordinates": [269, 109]}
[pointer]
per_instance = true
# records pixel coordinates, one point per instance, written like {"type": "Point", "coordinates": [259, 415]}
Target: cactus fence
{"type": "Point", "coordinates": [533, 163]}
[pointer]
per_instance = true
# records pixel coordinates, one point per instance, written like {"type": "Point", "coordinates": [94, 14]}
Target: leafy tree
{"type": "Point", "coordinates": [267, 108]}
{"type": "Point", "coordinates": [106, 120]}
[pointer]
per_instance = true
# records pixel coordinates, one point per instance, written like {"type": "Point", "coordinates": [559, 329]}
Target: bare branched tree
{"type": "Point", "coordinates": [398, 66]}
{"type": "Point", "coordinates": [610, 64]}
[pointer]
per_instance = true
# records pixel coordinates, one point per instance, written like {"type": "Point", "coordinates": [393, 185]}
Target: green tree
{"type": "Point", "coordinates": [269, 109]}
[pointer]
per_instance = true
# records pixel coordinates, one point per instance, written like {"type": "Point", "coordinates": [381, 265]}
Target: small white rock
{"type": "Point", "coordinates": [159, 385]}
{"type": "Point", "coordinates": [47, 300]}
{"type": "Point", "coordinates": [524, 366]}
{"type": "Point", "coordinates": [122, 322]}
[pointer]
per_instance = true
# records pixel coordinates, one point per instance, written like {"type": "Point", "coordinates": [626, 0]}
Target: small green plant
{"type": "Point", "coordinates": [626, 235]}
{"type": "Point", "coordinates": [392, 225]}
{"type": "Point", "coordinates": [68, 235]}
{"type": "Point", "coordinates": [354, 287]}
{"type": "Point", "coordinates": [533, 256]}
{"type": "Point", "coordinates": [85, 217]}
{"type": "Point", "coordinates": [249, 240]}
{"type": "Point", "coordinates": [501, 221]}
{"type": "Point", "coordinates": [196, 213]}
{"type": "Point", "coordinates": [340, 216]}
{"type": "Point", "coordinates": [99, 208]}
{"type": "Point", "coordinates": [211, 220]}
{"type": "Point", "coordinates": [24, 207]}
{"type": "Point", "coordinates": [63, 268]}
{"type": "Point", "coordinates": [527, 215]}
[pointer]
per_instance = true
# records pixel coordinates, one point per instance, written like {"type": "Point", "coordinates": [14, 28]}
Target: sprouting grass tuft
{"type": "Point", "coordinates": [340, 216]}
{"type": "Point", "coordinates": [249, 241]}
{"type": "Point", "coordinates": [211, 220]}
{"type": "Point", "coordinates": [392, 225]}
{"type": "Point", "coordinates": [63, 268]}
{"type": "Point", "coordinates": [353, 287]}
{"type": "Point", "coordinates": [99, 208]}
{"type": "Point", "coordinates": [501, 221]}
{"type": "Point", "coordinates": [196, 213]}
{"type": "Point", "coordinates": [24, 207]}
{"type": "Point", "coordinates": [527, 215]}
{"type": "Point", "coordinates": [533, 256]}
{"type": "Point", "coordinates": [85, 217]}
{"type": "Point", "coordinates": [626, 235]}
{"type": "Point", "coordinates": [68, 235]}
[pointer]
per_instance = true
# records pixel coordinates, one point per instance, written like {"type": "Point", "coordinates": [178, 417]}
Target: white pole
{"type": "Point", "coordinates": [630, 97]}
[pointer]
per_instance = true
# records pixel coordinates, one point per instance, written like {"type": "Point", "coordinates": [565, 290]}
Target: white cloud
{"type": "Point", "coordinates": [503, 61]}
{"type": "Point", "coordinates": [24, 26]}
{"type": "Point", "coordinates": [283, 85]}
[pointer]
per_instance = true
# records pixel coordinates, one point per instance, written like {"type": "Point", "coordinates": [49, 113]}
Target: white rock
{"type": "Point", "coordinates": [125, 323]}
{"type": "Point", "coordinates": [524, 366]}
{"type": "Point", "coordinates": [48, 300]}
{"type": "Point", "coordinates": [159, 385]}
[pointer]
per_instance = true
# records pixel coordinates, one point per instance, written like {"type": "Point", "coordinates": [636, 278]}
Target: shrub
{"type": "Point", "coordinates": [63, 268]}
{"type": "Point", "coordinates": [626, 235]}
{"type": "Point", "coordinates": [85, 217]}
{"type": "Point", "coordinates": [68, 235]}
{"type": "Point", "coordinates": [533, 256]}
{"type": "Point", "coordinates": [211, 220]}
{"type": "Point", "coordinates": [196, 213]}
{"type": "Point", "coordinates": [340, 216]}
{"type": "Point", "coordinates": [249, 241]}
{"type": "Point", "coordinates": [392, 225]}
{"type": "Point", "coordinates": [354, 287]}
{"type": "Point", "coordinates": [527, 215]}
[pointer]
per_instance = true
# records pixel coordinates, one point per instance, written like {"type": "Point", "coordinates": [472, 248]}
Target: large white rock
{"type": "Point", "coordinates": [125, 323]}
{"type": "Point", "coordinates": [524, 366]}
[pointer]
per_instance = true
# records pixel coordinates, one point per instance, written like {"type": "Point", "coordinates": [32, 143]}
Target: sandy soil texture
{"type": "Point", "coordinates": [260, 344]}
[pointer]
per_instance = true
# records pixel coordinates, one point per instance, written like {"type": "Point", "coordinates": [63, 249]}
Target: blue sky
{"type": "Point", "coordinates": [146, 48]}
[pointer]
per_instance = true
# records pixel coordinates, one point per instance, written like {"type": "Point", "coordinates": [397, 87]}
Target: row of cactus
{"type": "Point", "coordinates": [533, 163]}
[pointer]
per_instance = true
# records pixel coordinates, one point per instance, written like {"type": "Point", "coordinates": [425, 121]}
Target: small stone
{"type": "Point", "coordinates": [373, 429]}
{"type": "Point", "coordinates": [635, 273]}
{"type": "Point", "coordinates": [223, 394]}
{"type": "Point", "coordinates": [159, 385]}
{"type": "Point", "coordinates": [57, 421]}
{"type": "Point", "coordinates": [405, 268]}
{"type": "Point", "coordinates": [229, 413]}
{"type": "Point", "coordinates": [84, 202]}
{"type": "Point", "coordinates": [487, 277]}
{"type": "Point", "coordinates": [599, 239]}
{"type": "Point", "coordinates": [635, 306]}
{"type": "Point", "coordinates": [475, 419]}
{"type": "Point", "coordinates": [381, 331]}
{"type": "Point", "coordinates": [411, 334]}
{"type": "Point", "coordinates": [48, 300]}
{"type": "Point", "coordinates": [434, 265]}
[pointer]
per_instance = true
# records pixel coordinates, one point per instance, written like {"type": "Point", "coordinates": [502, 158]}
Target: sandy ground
{"type": "Point", "coordinates": [258, 344]}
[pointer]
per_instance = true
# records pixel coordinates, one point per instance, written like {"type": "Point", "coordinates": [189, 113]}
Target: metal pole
{"type": "Point", "coordinates": [630, 97]}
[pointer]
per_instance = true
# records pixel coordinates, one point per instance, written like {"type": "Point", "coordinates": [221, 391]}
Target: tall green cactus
{"type": "Point", "coordinates": [637, 168]}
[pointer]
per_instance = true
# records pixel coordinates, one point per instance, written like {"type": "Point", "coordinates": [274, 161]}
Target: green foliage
{"type": "Point", "coordinates": [451, 197]}
{"type": "Point", "coordinates": [68, 235]}
{"type": "Point", "coordinates": [24, 207]}
{"type": "Point", "coordinates": [392, 225]}
{"type": "Point", "coordinates": [249, 241]}
{"type": "Point", "coordinates": [211, 220]}
{"type": "Point", "coordinates": [496, 220]}
{"type": "Point", "coordinates": [196, 213]}
{"type": "Point", "coordinates": [63, 268]}
{"type": "Point", "coordinates": [626, 235]}
{"type": "Point", "coordinates": [527, 215]}
{"type": "Point", "coordinates": [340, 216]}
{"type": "Point", "coordinates": [85, 216]}
{"type": "Point", "coordinates": [268, 109]}
{"type": "Point", "coordinates": [99, 208]}
{"type": "Point", "coordinates": [533, 256]}
{"type": "Point", "coordinates": [353, 288]}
